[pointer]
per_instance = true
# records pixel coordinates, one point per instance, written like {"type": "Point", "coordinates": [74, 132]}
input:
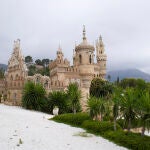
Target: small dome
{"type": "Point", "coordinates": [84, 44]}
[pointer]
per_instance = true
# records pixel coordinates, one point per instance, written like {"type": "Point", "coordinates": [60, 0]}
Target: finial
{"type": "Point", "coordinates": [100, 38]}
{"type": "Point", "coordinates": [59, 47]}
{"type": "Point", "coordinates": [84, 33]}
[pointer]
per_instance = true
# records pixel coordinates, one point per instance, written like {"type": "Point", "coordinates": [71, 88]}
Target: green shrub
{"type": "Point", "coordinates": [33, 96]}
{"type": "Point", "coordinates": [99, 127]}
{"type": "Point", "coordinates": [130, 140]}
{"type": "Point", "coordinates": [58, 98]}
{"type": "Point", "coordinates": [72, 119]}
{"type": "Point", "coordinates": [106, 129]}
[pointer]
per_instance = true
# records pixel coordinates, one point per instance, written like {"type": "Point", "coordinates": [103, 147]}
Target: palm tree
{"type": "Point", "coordinates": [96, 107]}
{"type": "Point", "coordinates": [116, 98]}
{"type": "Point", "coordinates": [143, 108]}
{"type": "Point", "coordinates": [74, 95]}
{"type": "Point", "coordinates": [127, 106]}
{"type": "Point", "coordinates": [33, 96]}
{"type": "Point", "coordinates": [58, 98]}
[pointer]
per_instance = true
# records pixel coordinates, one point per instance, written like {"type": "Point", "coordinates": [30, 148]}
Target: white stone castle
{"type": "Point", "coordinates": [83, 70]}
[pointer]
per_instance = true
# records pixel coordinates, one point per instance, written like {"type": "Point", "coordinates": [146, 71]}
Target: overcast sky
{"type": "Point", "coordinates": [43, 24]}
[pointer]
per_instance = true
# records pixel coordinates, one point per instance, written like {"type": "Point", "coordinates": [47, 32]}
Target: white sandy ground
{"type": "Point", "coordinates": [38, 133]}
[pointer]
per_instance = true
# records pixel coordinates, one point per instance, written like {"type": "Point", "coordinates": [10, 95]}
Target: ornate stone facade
{"type": "Point", "coordinates": [15, 75]}
{"type": "Point", "coordinates": [83, 70]}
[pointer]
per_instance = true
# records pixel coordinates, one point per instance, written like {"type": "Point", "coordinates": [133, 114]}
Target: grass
{"type": "Point", "coordinates": [83, 134]}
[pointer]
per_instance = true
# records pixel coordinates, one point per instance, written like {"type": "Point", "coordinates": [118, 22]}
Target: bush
{"type": "Point", "coordinates": [33, 96]}
{"type": "Point", "coordinates": [100, 88]}
{"type": "Point", "coordinates": [59, 99]}
{"type": "Point", "coordinates": [106, 129]}
{"type": "Point", "coordinates": [72, 119]}
{"type": "Point", "coordinates": [99, 127]}
{"type": "Point", "coordinates": [130, 140]}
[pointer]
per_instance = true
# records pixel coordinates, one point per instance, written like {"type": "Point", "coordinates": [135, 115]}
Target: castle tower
{"type": "Point", "coordinates": [15, 75]}
{"type": "Point", "coordinates": [84, 60]}
{"type": "Point", "coordinates": [101, 56]}
{"type": "Point", "coordinates": [60, 55]}
{"type": "Point", "coordinates": [84, 52]}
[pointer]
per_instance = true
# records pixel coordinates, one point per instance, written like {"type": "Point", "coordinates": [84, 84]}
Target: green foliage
{"type": "Point", "coordinates": [128, 104]}
{"type": "Point", "coordinates": [105, 129]}
{"type": "Point", "coordinates": [45, 62]}
{"type": "Point", "coordinates": [58, 98]}
{"type": "Point", "coordinates": [33, 96]}
{"type": "Point", "coordinates": [96, 107]}
{"type": "Point", "coordinates": [134, 83]}
{"type": "Point", "coordinates": [72, 119]}
{"type": "Point", "coordinates": [99, 127]}
{"type": "Point", "coordinates": [38, 62]}
{"type": "Point", "coordinates": [129, 140]}
{"type": "Point", "coordinates": [32, 70]}
{"type": "Point", "coordinates": [143, 109]}
{"type": "Point", "coordinates": [2, 73]}
{"type": "Point", "coordinates": [100, 88]}
{"type": "Point", "coordinates": [28, 59]}
{"type": "Point", "coordinates": [74, 95]}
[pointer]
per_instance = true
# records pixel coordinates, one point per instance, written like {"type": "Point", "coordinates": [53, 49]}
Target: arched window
{"type": "Point", "coordinates": [11, 77]}
{"type": "Point", "coordinates": [90, 59]}
{"type": "Point", "coordinates": [80, 59]}
{"type": "Point", "coordinates": [16, 76]}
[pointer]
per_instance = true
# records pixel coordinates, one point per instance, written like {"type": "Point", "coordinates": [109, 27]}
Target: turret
{"type": "Point", "coordinates": [84, 52]}
{"type": "Point", "coordinates": [100, 55]}
{"type": "Point", "coordinates": [60, 54]}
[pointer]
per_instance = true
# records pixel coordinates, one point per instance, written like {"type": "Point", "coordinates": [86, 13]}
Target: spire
{"type": "Point", "coordinates": [84, 33]}
{"type": "Point", "coordinates": [100, 38]}
{"type": "Point", "coordinates": [17, 44]}
{"type": "Point", "coordinates": [59, 48]}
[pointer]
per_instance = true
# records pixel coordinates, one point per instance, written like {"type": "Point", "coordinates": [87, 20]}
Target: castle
{"type": "Point", "coordinates": [83, 70]}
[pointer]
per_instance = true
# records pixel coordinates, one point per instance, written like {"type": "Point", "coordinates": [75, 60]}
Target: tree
{"type": "Point", "coordinates": [116, 100]}
{"type": "Point", "coordinates": [96, 107]}
{"type": "Point", "coordinates": [38, 62]}
{"type": "Point", "coordinates": [33, 96]}
{"type": "Point", "coordinates": [2, 73]}
{"type": "Point", "coordinates": [134, 83]}
{"type": "Point", "coordinates": [128, 105]}
{"type": "Point", "coordinates": [45, 62]}
{"type": "Point", "coordinates": [32, 70]}
{"type": "Point", "coordinates": [109, 77]}
{"type": "Point", "coordinates": [28, 59]}
{"type": "Point", "coordinates": [143, 109]}
{"type": "Point", "coordinates": [74, 95]}
{"type": "Point", "coordinates": [58, 98]}
{"type": "Point", "coordinates": [100, 88]}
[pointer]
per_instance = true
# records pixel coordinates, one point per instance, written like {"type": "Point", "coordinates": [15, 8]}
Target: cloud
{"type": "Point", "coordinates": [42, 25]}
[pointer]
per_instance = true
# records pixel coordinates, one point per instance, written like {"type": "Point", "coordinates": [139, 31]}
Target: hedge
{"type": "Point", "coordinates": [105, 129]}
{"type": "Point", "coordinates": [72, 119]}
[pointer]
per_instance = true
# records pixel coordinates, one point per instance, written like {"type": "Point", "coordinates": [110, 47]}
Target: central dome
{"type": "Point", "coordinates": [84, 45]}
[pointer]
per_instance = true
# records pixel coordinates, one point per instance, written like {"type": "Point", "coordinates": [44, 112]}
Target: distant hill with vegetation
{"type": "Point", "coordinates": [3, 66]}
{"type": "Point", "coordinates": [127, 73]}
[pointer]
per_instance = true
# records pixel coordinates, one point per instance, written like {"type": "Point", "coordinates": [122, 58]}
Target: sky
{"type": "Point", "coordinates": [42, 25]}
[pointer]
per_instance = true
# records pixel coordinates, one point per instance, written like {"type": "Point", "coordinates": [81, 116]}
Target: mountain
{"type": "Point", "coordinates": [3, 66]}
{"type": "Point", "coordinates": [128, 73]}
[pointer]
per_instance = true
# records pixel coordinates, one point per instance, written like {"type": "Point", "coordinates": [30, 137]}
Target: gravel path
{"type": "Point", "coordinates": [28, 130]}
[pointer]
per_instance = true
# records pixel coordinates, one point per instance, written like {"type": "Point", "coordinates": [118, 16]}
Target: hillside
{"type": "Point", "coordinates": [128, 73]}
{"type": "Point", "coordinates": [3, 66]}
